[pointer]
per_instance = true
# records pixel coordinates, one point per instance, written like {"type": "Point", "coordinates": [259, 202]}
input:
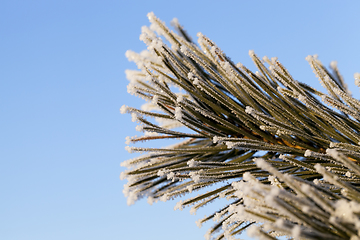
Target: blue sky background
{"type": "Point", "coordinates": [62, 83]}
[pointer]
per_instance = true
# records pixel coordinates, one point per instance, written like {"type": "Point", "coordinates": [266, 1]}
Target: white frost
{"type": "Point", "coordinates": [134, 117]}
{"type": "Point", "coordinates": [332, 152]}
{"type": "Point", "coordinates": [179, 205]}
{"type": "Point", "coordinates": [131, 88]}
{"type": "Point", "coordinates": [180, 98]}
{"type": "Point", "coordinates": [316, 181]}
{"type": "Point", "coordinates": [296, 232]}
{"type": "Point", "coordinates": [302, 98]}
{"type": "Point", "coordinates": [357, 82]}
{"type": "Point", "coordinates": [155, 99]}
{"type": "Point", "coordinates": [123, 175]}
{"type": "Point", "coordinates": [357, 79]}
{"type": "Point", "coordinates": [129, 149]}
{"type": "Point", "coordinates": [333, 64]}
{"type": "Point", "coordinates": [123, 109]}
{"type": "Point", "coordinates": [178, 113]}
{"type": "Point", "coordinates": [309, 58]}
{"type": "Point", "coordinates": [151, 16]}
{"type": "Point", "coordinates": [193, 211]}
{"type": "Point", "coordinates": [348, 174]}
{"type": "Point", "coordinates": [217, 217]}
{"type": "Point", "coordinates": [252, 231]}
{"type": "Point", "coordinates": [139, 128]}
{"type": "Point", "coordinates": [198, 223]}
{"type": "Point", "coordinates": [192, 163]}
{"type": "Point", "coordinates": [150, 200]}
{"type": "Point", "coordinates": [308, 153]}
{"type": "Point", "coordinates": [249, 110]}
{"type": "Point", "coordinates": [170, 176]}
{"type": "Point", "coordinates": [174, 22]}
{"type": "Point", "coordinates": [195, 176]}
{"type": "Point", "coordinates": [162, 172]}
{"type": "Point", "coordinates": [184, 49]}
{"type": "Point", "coordinates": [357, 76]}
{"type": "Point", "coordinates": [127, 140]}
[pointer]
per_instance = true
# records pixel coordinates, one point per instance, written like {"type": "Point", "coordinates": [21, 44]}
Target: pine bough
{"type": "Point", "coordinates": [284, 155]}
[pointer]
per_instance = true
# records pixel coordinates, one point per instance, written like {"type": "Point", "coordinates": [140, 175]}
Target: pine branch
{"type": "Point", "coordinates": [285, 156]}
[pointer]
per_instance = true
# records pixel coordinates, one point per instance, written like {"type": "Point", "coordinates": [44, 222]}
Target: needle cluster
{"type": "Point", "coordinates": [284, 155]}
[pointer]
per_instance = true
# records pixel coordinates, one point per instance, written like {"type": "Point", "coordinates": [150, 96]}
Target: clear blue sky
{"type": "Point", "coordinates": [62, 83]}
